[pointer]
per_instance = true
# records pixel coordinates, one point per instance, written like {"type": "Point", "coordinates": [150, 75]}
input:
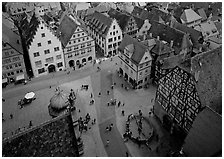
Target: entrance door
{"type": "Point", "coordinates": [51, 68]}
{"type": "Point", "coordinates": [121, 71]}
{"type": "Point", "coordinates": [167, 123]}
{"type": "Point", "coordinates": [71, 63]}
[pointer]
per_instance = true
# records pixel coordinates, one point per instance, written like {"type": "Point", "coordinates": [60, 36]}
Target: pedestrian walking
{"type": "Point", "coordinates": [3, 99]}
{"type": "Point", "coordinates": [107, 129]}
{"type": "Point", "coordinates": [108, 103]}
{"type": "Point", "coordinates": [122, 112]}
{"type": "Point", "coordinates": [112, 86]}
{"type": "Point", "coordinates": [99, 94]}
{"type": "Point", "coordinates": [123, 104]}
{"type": "Point", "coordinates": [111, 126]}
{"type": "Point", "coordinates": [108, 142]}
{"type": "Point", "coordinates": [127, 154]}
{"type": "Point", "coordinates": [122, 85]}
{"type": "Point", "coordinates": [91, 95]}
{"type": "Point", "coordinates": [119, 103]}
{"type": "Point", "coordinates": [108, 92]}
{"type": "Point", "coordinates": [11, 116]}
{"type": "Point", "coordinates": [114, 83]}
{"type": "Point", "coordinates": [30, 124]}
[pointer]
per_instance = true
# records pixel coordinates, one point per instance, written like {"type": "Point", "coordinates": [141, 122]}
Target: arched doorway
{"type": "Point", "coordinates": [71, 63]}
{"type": "Point", "coordinates": [78, 62]}
{"type": "Point", "coordinates": [167, 122]}
{"type": "Point", "coordinates": [90, 58]}
{"type": "Point", "coordinates": [51, 68]}
{"type": "Point", "coordinates": [84, 60]}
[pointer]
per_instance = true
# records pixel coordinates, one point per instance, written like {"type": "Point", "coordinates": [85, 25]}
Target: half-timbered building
{"type": "Point", "coordinates": [177, 101]}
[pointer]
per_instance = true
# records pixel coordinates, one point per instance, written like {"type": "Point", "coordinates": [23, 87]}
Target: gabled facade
{"type": "Point", "coordinates": [135, 62]}
{"type": "Point", "coordinates": [105, 31]}
{"type": "Point", "coordinates": [177, 102]}
{"type": "Point", "coordinates": [78, 46]}
{"type": "Point", "coordinates": [44, 48]}
{"type": "Point", "coordinates": [207, 29]}
{"type": "Point", "coordinates": [12, 55]}
{"type": "Point", "coordinates": [143, 25]}
{"type": "Point", "coordinates": [126, 22]}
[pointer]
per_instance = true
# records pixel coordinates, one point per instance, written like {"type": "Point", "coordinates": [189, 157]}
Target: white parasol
{"type": "Point", "coordinates": [29, 95]}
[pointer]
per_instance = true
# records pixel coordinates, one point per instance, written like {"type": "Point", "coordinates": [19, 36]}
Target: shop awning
{"type": "Point", "coordinates": [20, 77]}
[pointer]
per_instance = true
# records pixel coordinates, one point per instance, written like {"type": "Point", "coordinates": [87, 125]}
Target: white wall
{"type": "Point", "coordinates": [44, 46]}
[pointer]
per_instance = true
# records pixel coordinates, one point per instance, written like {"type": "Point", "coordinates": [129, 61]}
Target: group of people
{"type": "Point", "coordinates": [109, 127]}
{"type": "Point", "coordinates": [83, 123]}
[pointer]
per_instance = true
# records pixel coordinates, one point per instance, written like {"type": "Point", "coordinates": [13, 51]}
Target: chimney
{"type": "Point", "coordinates": [171, 43]}
{"type": "Point", "coordinates": [157, 37]}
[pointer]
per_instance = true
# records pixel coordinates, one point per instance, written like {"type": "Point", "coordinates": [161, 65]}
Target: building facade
{"type": "Point", "coordinates": [44, 48]}
{"type": "Point", "coordinates": [177, 102]}
{"type": "Point", "coordinates": [12, 55]}
{"type": "Point", "coordinates": [126, 22]}
{"type": "Point", "coordinates": [78, 46]}
{"type": "Point", "coordinates": [105, 31]}
{"type": "Point", "coordinates": [135, 62]}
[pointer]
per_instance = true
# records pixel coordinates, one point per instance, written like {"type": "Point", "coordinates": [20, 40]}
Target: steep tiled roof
{"type": "Point", "coordinates": [202, 13]}
{"type": "Point", "coordinates": [100, 21]}
{"type": "Point", "coordinates": [208, 28]}
{"type": "Point", "coordinates": [176, 60]}
{"type": "Point", "coordinates": [206, 131]}
{"type": "Point", "coordinates": [121, 18]}
{"type": "Point", "coordinates": [55, 138]}
{"type": "Point", "coordinates": [194, 34]}
{"type": "Point", "coordinates": [11, 38]}
{"type": "Point", "coordinates": [189, 16]}
{"type": "Point", "coordinates": [209, 85]}
{"type": "Point", "coordinates": [139, 48]}
{"type": "Point", "coordinates": [47, 18]}
{"type": "Point", "coordinates": [33, 25]}
{"type": "Point", "coordinates": [168, 34]}
{"type": "Point", "coordinates": [159, 13]}
{"type": "Point", "coordinates": [66, 30]}
{"type": "Point", "coordinates": [160, 48]}
{"type": "Point", "coordinates": [139, 21]}
{"type": "Point", "coordinates": [137, 11]}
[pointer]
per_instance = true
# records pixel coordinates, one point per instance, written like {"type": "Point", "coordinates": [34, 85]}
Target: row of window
{"type": "Point", "coordinates": [78, 35]}
{"type": "Point", "coordinates": [48, 42]}
{"type": "Point", "coordinates": [115, 39]}
{"type": "Point", "coordinates": [42, 70]}
{"type": "Point", "coordinates": [17, 58]}
{"type": "Point", "coordinates": [77, 53]}
{"type": "Point", "coordinates": [11, 53]}
{"type": "Point", "coordinates": [10, 66]}
{"type": "Point", "coordinates": [12, 73]}
{"type": "Point", "coordinates": [78, 40]}
{"type": "Point", "coordinates": [77, 46]}
{"type": "Point", "coordinates": [114, 32]}
{"type": "Point", "coordinates": [47, 60]}
{"type": "Point", "coordinates": [36, 54]}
